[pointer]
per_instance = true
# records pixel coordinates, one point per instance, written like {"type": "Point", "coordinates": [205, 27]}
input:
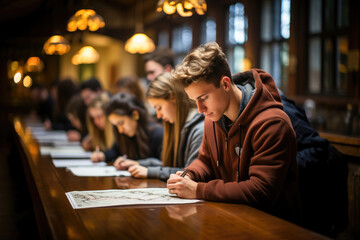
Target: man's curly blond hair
{"type": "Point", "coordinates": [206, 62]}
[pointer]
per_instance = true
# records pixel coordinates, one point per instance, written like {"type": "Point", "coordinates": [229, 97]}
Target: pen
{"type": "Point", "coordinates": [184, 173]}
{"type": "Point", "coordinates": [124, 157]}
{"type": "Point", "coordinates": [97, 149]}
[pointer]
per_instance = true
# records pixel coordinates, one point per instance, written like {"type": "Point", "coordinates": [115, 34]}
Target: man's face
{"type": "Point", "coordinates": [210, 100]}
{"type": "Point", "coordinates": [88, 95]}
{"type": "Point", "coordinates": [153, 69]}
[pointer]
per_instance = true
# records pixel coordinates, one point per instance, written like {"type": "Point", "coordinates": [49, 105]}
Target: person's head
{"type": "Point", "coordinates": [100, 129]}
{"type": "Point", "coordinates": [89, 90]}
{"type": "Point", "coordinates": [64, 91]}
{"type": "Point", "coordinates": [128, 115]}
{"type": "Point", "coordinates": [38, 92]}
{"type": "Point", "coordinates": [159, 61]}
{"type": "Point", "coordinates": [96, 111]}
{"type": "Point", "coordinates": [205, 75]}
{"type": "Point", "coordinates": [75, 112]}
{"type": "Point", "coordinates": [131, 85]}
{"type": "Point", "coordinates": [172, 105]}
{"type": "Point", "coordinates": [126, 112]}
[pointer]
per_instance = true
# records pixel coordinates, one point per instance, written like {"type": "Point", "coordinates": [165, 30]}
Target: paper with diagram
{"type": "Point", "coordinates": [118, 197]}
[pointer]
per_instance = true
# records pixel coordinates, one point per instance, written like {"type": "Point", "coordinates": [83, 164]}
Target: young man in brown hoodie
{"type": "Point", "coordinates": [248, 154]}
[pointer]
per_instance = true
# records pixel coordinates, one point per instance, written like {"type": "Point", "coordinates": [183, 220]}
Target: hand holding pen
{"type": "Point", "coordinates": [181, 185]}
{"type": "Point", "coordinates": [123, 163]}
{"type": "Point", "coordinates": [97, 156]}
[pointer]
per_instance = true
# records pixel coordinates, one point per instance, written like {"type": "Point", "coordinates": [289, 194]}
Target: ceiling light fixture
{"type": "Point", "coordinates": [139, 42]}
{"type": "Point", "coordinates": [86, 55]}
{"type": "Point", "coordinates": [56, 45]}
{"type": "Point", "coordinates": [85, 19]}
{"type": "Point", "coordinates": [185, 8]}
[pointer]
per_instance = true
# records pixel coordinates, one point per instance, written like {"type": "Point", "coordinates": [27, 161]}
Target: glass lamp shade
{"type": "Point", "coordinates": [56, 45]}
{"type": "Point", "coordinates": [86, 55]}
{"type": "Point", "coordinates": [85, 19]}
{"type": "Point", "coordinates": [139, 43]}
{"type": "Point", "coordinates": [34, 64]}
{"type": "Point", "coordinates": [185, 8]}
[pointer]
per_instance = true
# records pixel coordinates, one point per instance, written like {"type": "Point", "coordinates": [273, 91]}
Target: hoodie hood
{"type": "Point", "coordinates": [265, 96]}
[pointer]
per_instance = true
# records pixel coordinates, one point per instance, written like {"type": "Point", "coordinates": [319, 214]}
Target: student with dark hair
{"type": "Point", "coordinates": [64, 90]}
{"type": "Point", "coordinates": [248, 153]}
{"type": "Point", "coordinates": [136, 137]}
{"type": "Point", "coordinates": [130, 84]}
{"type": "Point", "coordinates": [159, 61]}
{"type": "Point", "coordinates": [90, 89]}
{"type": "Point", "coordinates": [44, 102]}
{"type": "Point", "coordinates": [76, 113]}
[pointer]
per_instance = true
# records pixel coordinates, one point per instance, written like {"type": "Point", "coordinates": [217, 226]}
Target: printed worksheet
{"type": "Point", "coordinates": [119, 197]}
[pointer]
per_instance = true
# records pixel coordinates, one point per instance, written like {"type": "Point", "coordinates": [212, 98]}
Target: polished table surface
{"type": "Point", "coordinates": [207, 220]}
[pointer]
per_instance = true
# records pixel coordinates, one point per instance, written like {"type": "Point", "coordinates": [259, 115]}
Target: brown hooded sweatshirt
{"type": "Point", "coordinates": [254, 162]}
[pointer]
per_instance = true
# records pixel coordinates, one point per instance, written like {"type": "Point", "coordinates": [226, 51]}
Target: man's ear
{"type": "Point", "coordinates": [226, 82]}
{"type": "Point", "coordinates": [168, 68]}
{"type": "Point", "coordinates": [172, 98]}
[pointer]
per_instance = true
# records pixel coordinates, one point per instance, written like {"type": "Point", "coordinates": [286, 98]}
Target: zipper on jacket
{"type": "Point", "coordinates": [226, 143]}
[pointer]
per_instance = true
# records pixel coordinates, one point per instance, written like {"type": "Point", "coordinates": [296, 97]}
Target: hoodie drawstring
{"type": "Point", "coordinates": [217, 150]}
{"type": "Point", "coordinates": [240, 147]}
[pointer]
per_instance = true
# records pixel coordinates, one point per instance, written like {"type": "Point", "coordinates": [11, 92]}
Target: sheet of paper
{"type": "Point", "coordinates": [50, 137]}
{"type": "Point", "coordinates": [105, 171]}
{"type": "Point", "coordinates": [76, 163]}
{"type": "Point", "coordinates": [66, 143]}
{"type": "Point", "coordinates": [46, 150]}
{"type": "Point", "coordinates": [71, 154]}
{"type": "Point", "coordinates": [118, 197]}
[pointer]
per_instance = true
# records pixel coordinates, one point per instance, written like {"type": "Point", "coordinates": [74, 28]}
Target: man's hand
{"type": "Point", "coordinates": [183, 187]}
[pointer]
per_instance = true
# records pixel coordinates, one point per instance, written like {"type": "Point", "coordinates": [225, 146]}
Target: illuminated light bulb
{"type": "Point", "coordinates": [17, 77]}
{"type": "Point", "coordinates": [188, 5]}
{"type": "Point", "coordinates": [169, 9]}
{"type": "Point", "coordinates": [27, 82]}
{"type": "Point", "coordinates": [181, 11]}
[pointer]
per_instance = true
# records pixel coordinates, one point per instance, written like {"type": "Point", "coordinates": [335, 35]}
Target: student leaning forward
{"type": "Point", "coordinates": [248, 153]}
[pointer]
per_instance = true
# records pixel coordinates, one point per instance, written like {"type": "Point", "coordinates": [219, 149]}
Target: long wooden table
{"type": "Point", "coordinates": [208, 220]}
